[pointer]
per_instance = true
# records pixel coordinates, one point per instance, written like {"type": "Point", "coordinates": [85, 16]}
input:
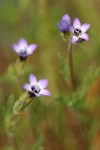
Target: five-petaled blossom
{"type": "Point", "coordinates": [78, 31]}
{"type": "Point", "coordinates": [64, 23]}
{"type": "Point", "coordinates": [23, 49]}
{"type": "Point", "coordinates": [37, 88]}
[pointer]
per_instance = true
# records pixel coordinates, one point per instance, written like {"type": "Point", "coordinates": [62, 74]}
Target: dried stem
{"type": "Point", "coordinates": [71, 67]}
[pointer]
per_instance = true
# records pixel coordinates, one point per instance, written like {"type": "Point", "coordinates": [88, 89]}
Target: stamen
{"type": "Point", "coordinates": [36, 89]}
{"type": "Point", "coordinates": [77, 32]}
{"type": "Point", "coordinates": [23, 54]}
{"type": "Point", "coordinates": [23, 51]}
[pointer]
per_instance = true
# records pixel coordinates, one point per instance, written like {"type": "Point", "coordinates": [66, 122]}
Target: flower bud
{"type": "Point", "coordinates": [22, 103]}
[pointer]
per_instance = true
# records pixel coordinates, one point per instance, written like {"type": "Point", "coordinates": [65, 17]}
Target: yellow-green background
{"type": "Point", "coordinates": [36, 21]}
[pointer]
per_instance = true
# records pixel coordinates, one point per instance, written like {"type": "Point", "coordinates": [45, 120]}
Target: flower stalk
{"type": "Point", "coordinates": [71, 66]}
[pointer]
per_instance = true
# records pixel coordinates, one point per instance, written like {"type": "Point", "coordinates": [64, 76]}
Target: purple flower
{"type": "Point", "coordinates": [23, 49]}
{"type": "Point", "coordinates": [63, 25]}
{"type": "Point", "coordinates": [37, 88]}
{"type": "Point", "coordinates": [78, 31]}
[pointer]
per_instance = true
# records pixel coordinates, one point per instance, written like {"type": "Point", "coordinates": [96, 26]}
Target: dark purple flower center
{"type": "Point", "coordinates": [36, 89]}
{"type": "Point", "coordinates": [77, 32]}
{"type": "Point", "coordinates": [23, 51]}
{"type": "Point", "coordinates": [23, 54]}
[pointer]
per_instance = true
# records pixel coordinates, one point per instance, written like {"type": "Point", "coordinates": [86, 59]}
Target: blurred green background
{"type": "Point", "coordinates": [36, 21]}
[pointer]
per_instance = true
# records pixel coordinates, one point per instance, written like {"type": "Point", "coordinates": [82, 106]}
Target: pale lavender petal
{"type": "Point", "coordinates": [38, 95]}
{"type": "Point", "coordinates": [15, 47]}
{"type": "Point", "coordinates": [43, 83]}
{"type": "Point", "coordinates": [27, 87]}
{"type": "Point", "coordinates": [22, 43]}
{"type": "Point", "coordinates": [31, 48]}
{"type": "Point", "coordinates": [66, 17]}
{"type": "Point", "coordinates": [84, 36]}
{"type": "Point", "coordinates": [45, 92]}
{"type": "Point", "coordinates": [71, 28]}
{"type": "Point", "coordinates": [76, 23]}
{"type": "Point", "coordinates": [32, 79]}
{"type": "Point", "coordinates": [74, 39]}
{"type": "Point", "coordinates": [85, 27]}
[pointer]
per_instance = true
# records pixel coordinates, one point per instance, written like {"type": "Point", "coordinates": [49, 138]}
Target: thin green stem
{"type": "Point", "coordinates": [71, 67]}
{"type": "Point", "coordinates": [11, 131]}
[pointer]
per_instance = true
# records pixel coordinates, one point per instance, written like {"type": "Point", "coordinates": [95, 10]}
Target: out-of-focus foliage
{"type": "Point", "coordinates": [65, 120]}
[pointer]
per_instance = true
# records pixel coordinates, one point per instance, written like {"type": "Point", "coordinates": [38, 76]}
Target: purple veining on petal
{"type": "Point", "coordinates": [76, 23]}
{"type": "Point", "coordinates": [45, 92]}
{"type": "Point", "coordinates": [84, 36]}
{"type": "Point", "coordinates": [43, 83]}
{"type": "Point", "coordinates": [32, 79]}
{"type": "Point", "coordinates": [85, 27]}
{"type": "Point", "coordinates": [27, 87]}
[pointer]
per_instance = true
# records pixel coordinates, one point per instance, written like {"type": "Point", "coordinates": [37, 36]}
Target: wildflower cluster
{"type": "Point", "coordinates": [35, 88]}
{"type": "Point", "coordinates": [77, 31]}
